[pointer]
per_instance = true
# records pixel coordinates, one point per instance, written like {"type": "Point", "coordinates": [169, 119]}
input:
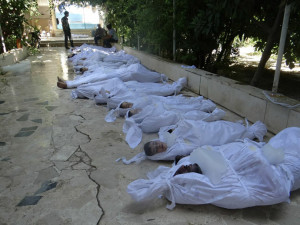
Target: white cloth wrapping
{"type": "Point", "coordinates": [88, 58]}
{"type": "Point", "coordinates": [98, 68]}
{"type": "Point", "coordinates": [289, 140]}
{"type": "Point", "coordinates": [152, 123]}
{"type": "Point", "coordinates": [93, 58]}
{"type": "Point", "coordinates": [139, 101]}
{"type": "Point", "coordinates": [159, 89]}
{"type": "Point", "coordinates": [104, 64]}
{"type": "Point", "coordinates": [114, 89]}
{"type": "Point", "coordinates": [215, 133]}
{"type": "Point", "coordinates": [132, 72]}
{"type": "Point", "coordinates": [165, 112]}
{"type": "Point", "coordinates": [140, 94]}
{"type": "Point", "coordinates": [249, 180]}
{"type": "Point", "coordinates": [95, 55]}
{"type": "Point", "coordinates": [157, 105]}
{"type": "Point", "coordinates": [86, 51]}
{"type": "Point", "coordinates": [190, 134]}
{"type": "Point", "coordinates": [92, 89]}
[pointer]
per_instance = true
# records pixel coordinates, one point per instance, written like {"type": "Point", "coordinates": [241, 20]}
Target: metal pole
{"type": "Point", "coordinates": [2, 40]}
{"type": "Point", "coordinates": [174, 33]}
{"type": "Point", "coordinates": [284, 28]}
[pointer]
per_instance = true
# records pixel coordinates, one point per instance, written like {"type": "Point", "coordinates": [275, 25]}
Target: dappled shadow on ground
{"type": "Point", "coordinates": [289, 83]}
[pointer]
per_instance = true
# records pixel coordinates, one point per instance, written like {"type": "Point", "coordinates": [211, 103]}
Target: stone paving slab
{"type": "Point", "coordinates": [65, 172]}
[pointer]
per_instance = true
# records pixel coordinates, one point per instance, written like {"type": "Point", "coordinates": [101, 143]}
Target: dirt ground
{"type": "Point", "coordinates": [245, 66]}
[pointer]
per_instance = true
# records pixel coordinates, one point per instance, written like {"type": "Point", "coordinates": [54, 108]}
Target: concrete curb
{"type": "Point", "coordinates": [13, 56]}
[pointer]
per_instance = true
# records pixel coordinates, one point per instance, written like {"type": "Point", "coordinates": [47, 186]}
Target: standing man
{"type": "Point", "coordinates": [67, 30]}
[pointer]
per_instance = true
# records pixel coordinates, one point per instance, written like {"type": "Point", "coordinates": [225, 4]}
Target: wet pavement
{"type": "Point", "coordinates": [57, 160]}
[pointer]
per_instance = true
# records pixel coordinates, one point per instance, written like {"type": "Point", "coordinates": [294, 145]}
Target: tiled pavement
{"type": "Point", "coordinates": [57, 160]}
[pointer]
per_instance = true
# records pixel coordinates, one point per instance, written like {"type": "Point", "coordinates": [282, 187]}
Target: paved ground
{"type": "Point", "coordinates": [57, 160]}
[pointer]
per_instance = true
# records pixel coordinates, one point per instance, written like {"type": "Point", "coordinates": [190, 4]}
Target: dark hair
{"type": "Point", "coordinates": [130, 114]}
{"type": "Point", "coordinates": [198, 169]}
{"type": "Point", "coordinates": [108, 26]}
{"type": "Point", "coordinates": [184, 169]}
{"type": "Point", "coordinates": [170, 131]}
{"type": "Point", "coordinates": [148, 149]}
{"type": "Point", "coordinates": [177, 158]}
{"type": "Point", "coordinates": [66, 12]}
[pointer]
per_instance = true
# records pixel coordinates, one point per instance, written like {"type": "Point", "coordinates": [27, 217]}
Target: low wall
{"type": "Point", "coordinates": [13, 56]}
{"type": "Point", "coordinates": [60, 33]}
{"type": "Point", "coordinates": [245, 100]}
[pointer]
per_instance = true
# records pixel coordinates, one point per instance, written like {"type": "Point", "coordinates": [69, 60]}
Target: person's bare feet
{"type": "Point", "coordinates": [60, 79]}
{"type": "Point", "coordinates": [71, 55]}
{"type": "Point", "coordinates": [61, 84]}
{"type": "Point", "coordinates": [83, 69]}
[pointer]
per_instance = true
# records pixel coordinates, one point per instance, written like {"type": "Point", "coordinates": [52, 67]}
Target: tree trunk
{"type": "Point", "coordinates": [226, 46]}
{"type": "Point", "coordinates": [269, 46]}
{"type": "Point", "coordinates": [201, 61]}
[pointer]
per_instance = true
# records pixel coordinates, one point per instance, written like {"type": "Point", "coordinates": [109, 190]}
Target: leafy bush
{"type": "Point", "coordinates": [14, 16]}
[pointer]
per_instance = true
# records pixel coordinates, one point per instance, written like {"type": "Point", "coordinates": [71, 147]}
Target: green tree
{"type": "Point", "coordinates": [205, 29]}
{"type": "Point", "coordinates": [154, 27]}
{"type": "Point", "coordinates": [14, 15]}
{"type": "Point", "coordinates": [267, 26]}
{"type": "Point", "coordinates": [268, 36]}
{"type": "Point", "coordinates": [218, 23]}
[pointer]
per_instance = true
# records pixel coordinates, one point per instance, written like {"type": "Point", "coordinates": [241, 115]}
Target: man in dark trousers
{"type": "Point", "coordinates": [111, 37]}
{"type": "Point", "coordinates": [67, 30]}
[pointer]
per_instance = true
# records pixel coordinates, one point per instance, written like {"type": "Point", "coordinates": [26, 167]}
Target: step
{"type": "Point", "coordinates": [60, 42]}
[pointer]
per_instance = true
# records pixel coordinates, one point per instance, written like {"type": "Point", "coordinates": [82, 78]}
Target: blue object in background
{"type": "Point", "coordinates": [75, 21]}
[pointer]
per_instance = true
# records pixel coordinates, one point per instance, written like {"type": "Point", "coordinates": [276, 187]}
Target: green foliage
{"type": "Point", "coordinates": [11, 42]}
{"type": "Point", "coordinates": [267, 35]}
{"type": "Point", "coordinates": [292, 45]}
{"type": "Point", "coordinates": [33, 50]}
{"type": "Point", "coordinates": [206, 30]}
{"type": "Point", "coordinates": [14, 15]}
{"type": "Point", "coordinates": [153, 26]}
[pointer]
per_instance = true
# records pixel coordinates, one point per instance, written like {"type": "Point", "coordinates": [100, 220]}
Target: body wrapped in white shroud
{"type": "Point", "coordinates": [249, 180]}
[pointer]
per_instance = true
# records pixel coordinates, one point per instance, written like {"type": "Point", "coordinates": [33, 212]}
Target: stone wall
{"type": "Point", "coordinates": [13, 56]}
